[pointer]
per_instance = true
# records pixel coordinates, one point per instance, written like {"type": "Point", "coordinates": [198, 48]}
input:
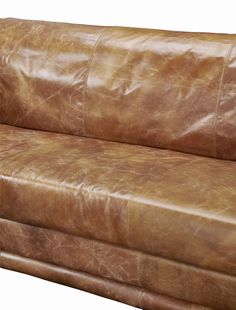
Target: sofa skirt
{"type": "Point", "coordinates": [127, 275]}
{"type": "Point", "coordinates": [127, 294]}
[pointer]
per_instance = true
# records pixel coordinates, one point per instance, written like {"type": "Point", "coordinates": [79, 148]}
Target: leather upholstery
{"type": "Point", "coordinates": [152, 273]}
{"type": "Point", "coordinates": [131, 295]}
{"type": "Point", "coordinates": [102, 182]}
{"type": "Point", "coordinates": [163, 89]}
{"type": "Point", "coordinates": [153, 200]}
{"type": "Point", "coordinates": [43, 71]}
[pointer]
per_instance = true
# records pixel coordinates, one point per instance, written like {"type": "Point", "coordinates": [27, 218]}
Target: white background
{"type": "Point", "coordinates": [24, 292]}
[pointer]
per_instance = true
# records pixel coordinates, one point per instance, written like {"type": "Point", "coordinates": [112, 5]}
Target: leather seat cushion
{"type": "Point", "coordinates": [171, 204]}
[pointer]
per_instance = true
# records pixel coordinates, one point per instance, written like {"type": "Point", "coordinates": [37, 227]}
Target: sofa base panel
{"type": "Point", "coordinates": [127, 294]}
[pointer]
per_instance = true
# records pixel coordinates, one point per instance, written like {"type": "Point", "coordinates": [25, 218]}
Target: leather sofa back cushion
{"type": "Point", "coordinates": [164, 89]}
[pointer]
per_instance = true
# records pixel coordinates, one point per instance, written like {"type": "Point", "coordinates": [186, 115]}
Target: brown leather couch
{"type": "Point", "coordinates": [117, 161]}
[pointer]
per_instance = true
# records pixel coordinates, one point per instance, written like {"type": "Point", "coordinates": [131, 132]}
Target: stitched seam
{"type": "Point", "coordinates": [220, 93]}
{"type": "Point", "coordinates": [141, 297]}
{"type": "Point", "coordinates": [91, 61]}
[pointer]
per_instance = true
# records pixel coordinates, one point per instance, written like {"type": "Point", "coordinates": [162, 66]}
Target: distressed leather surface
{"type": "Point", "coordinates": [162, 202]}
{"type": "Point", "coordinates": [43, 68]}
{"type": "Point", "coordinates": [131, 295]}
{"type": "Point", "coordinates": [163, 89]}
{"type": "Point", "coordinates": [152, 273]}
{"type": "Point", "coordinates": [102, 182]}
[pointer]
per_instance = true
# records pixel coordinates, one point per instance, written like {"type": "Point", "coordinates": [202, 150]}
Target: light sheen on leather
{"type": "Point", "coordinates": [165, 89]}
{"type": "Point", "coordinates": [102, 182]}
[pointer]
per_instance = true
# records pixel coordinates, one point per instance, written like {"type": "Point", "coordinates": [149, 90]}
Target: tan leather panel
{"type": "Point", "coordinates": [43, 71]}
{"type": "Point", "coordinates": [164, 89]}
{"type": "Point", "coordinates": [162, 202]}
{"type": "Point", "coordinates": [71, 251]}
{"type": "Point", "coordinates": [200, 286]}
{"type": "Point", "coordinates": [156, 274]}
{"type": "Point", "coordinates": [155, 88]}
{"type": "Point", "coordinates": [131, 295]}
